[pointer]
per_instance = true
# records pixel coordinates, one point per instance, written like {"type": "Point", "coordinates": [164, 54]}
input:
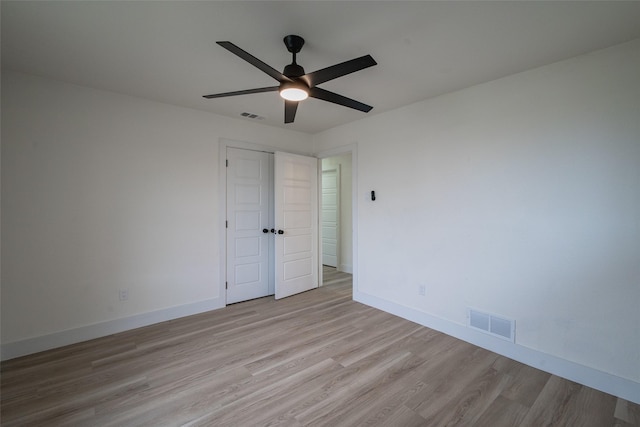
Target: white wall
{"type": "Point", "coordinates": [345, 262]}
{"type": "Point", "coordinates": [519, 197]}
{"type": "Point", "coordinates": [102, 192]}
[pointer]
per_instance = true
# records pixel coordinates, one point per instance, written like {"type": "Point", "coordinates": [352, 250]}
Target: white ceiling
{"type": "Point", "coordinates": [166, 51]}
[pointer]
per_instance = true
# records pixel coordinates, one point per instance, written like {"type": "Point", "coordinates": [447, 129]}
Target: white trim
{"type": "Point", "coordinates": [222, 218]}
{"type": "Point", "coordinates": [84, 333]}
{"type": "Point", "coordinates": [334, 152]}
{"type": "Point", "coordinates": [599, 380]}
{"type": "Point", "coordinates": [224, 143]}
{"type": "Point", "coordinates": [319, 217]}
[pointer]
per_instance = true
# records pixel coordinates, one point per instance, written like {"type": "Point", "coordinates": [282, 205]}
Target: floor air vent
{"type": "Point", "coordinates": [493, 325]}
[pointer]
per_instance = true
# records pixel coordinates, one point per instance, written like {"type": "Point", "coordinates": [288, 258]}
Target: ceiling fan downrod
{"type": "Point", "coordinates": [294, 45]}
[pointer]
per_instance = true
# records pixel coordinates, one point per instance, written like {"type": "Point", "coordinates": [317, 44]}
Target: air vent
{"type": "Point", "coordinates": [493, 325]}
{"type": "Point", "coordinates": [252, 116]}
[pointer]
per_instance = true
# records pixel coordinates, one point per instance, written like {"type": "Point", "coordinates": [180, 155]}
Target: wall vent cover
{"type": "Point", "coordinates": [493, 325]}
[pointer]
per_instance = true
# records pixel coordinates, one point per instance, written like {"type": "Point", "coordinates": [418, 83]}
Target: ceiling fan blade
{"type": "Point", "coordinates": [243, 92]}
{"type": "Point", "coordinates": [255, 61]}
{"type": "Point", "coordinates": [338, 70]}
{"type": "Point", "coordinates": [325, 95]}
{"type": "Point", "coordinates": [290, 108]}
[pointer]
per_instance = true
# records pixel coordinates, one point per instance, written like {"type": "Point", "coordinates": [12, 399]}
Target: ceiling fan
{"type": "Point", "coordinates": [295, 85]}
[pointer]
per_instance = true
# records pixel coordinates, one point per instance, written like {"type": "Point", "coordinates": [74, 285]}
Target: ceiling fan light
{"type": "Point", "coordinates": [294, 93]}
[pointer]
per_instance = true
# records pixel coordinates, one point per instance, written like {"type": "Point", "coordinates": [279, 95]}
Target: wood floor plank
{"type": "Point", "coordinates": [313, 347]}
{"type": "Point", "coordinates": [599, 407]}
{"type": "Point", "coordinates": [502, 412]}
{"type": "Point", "coordinates": [339, 406]}
{"type": "Point", "coordinates": [378, 400]}
{"type": "Point", "coordinates": [552, 403]}
{"type": "Point", "coordinates": [461, 363]}
{"type": "Point", "coordinates": [526, 383]}
{"type": "Point", "coordinates": [388, 337]}
{"type": "Point", "coordinates": [401, 416]}
{"type": "Point", "coordinates": [471, 401]}
{"type": "Point", "coordinates": [251, 405]}
{"type": "Point", "coordinates": [314, 359]}
{"type": "Point", "coordinates": [627, 412]}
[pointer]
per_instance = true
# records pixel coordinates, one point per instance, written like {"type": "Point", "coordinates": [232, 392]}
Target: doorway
{"type": "Point", "coordinates": [337, 212]}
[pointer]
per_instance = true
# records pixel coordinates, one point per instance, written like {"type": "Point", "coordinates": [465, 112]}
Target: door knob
{"type": "Point", "coordinates": [280, 232]}
{"type": "Point", "coordinates": [273, 230]}
{"type": "Point", "coordinates": [264, 230]}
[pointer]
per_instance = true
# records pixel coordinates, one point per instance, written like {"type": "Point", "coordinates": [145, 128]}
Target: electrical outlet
{"type": "Point", "coordinates": [123, 294]}
{"type": "Point", "coordinates": [422, 290]}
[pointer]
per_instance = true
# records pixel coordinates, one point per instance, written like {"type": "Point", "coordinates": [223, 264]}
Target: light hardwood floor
{"type": "Point", "coordinates": [315, 359]}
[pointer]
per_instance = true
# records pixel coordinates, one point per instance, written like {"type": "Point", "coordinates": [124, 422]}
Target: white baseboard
{"type": "Point", "coordinates": [84, 333]}
{"type": "Point", "coordinates": [346, 268]}
{"type": "Point", "coordinates": [608, 383]}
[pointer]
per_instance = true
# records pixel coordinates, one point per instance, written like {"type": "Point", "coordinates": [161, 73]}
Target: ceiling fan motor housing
{"type": "Point", "coordinates": [293, 70]}
{"type": "Point", "coordinates": [294, 43]}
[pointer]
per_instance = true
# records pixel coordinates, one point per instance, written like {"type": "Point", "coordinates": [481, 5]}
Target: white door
{"type": "Point", "coordinates": [249, 214]}
{"type": "Point", "coordinates": [330, 212]}
{"type": "Point", "coordinates": [296, 219]}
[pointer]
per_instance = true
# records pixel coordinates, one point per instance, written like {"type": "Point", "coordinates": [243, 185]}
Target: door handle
{"type": "Point", "coordinates": [273, 230]}
{"type": "Point", "coordinates": [264, 230]}
{"type": "Point", "coordinates": [280, 232]}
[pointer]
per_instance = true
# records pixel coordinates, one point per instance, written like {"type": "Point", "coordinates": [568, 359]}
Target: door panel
{"type": "Point", "coordinates": [249, 210]}
{"type": "Point", "coordinates": [297, 244]}
{"type": "Point", "coordinates": [330, 216]}
{"type": "Point", "coordinates": [296, 214]}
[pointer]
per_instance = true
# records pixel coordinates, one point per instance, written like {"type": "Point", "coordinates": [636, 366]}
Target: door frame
{"type": "Point", "coordinates": [222, 201]}
{"type": "Point", "coordinates": [225, 143]}
{"type": "Point", "coordinates": [344, 149]}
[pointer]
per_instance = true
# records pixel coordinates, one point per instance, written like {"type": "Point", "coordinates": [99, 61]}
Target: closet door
{"type": "Point", "coordinates": [296, 221]}
{"type": "Point", "coordinates": [249, 224]}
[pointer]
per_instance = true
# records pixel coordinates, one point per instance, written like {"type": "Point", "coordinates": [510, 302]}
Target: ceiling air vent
{"type": "Point", "coordinates": [252, 116]}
